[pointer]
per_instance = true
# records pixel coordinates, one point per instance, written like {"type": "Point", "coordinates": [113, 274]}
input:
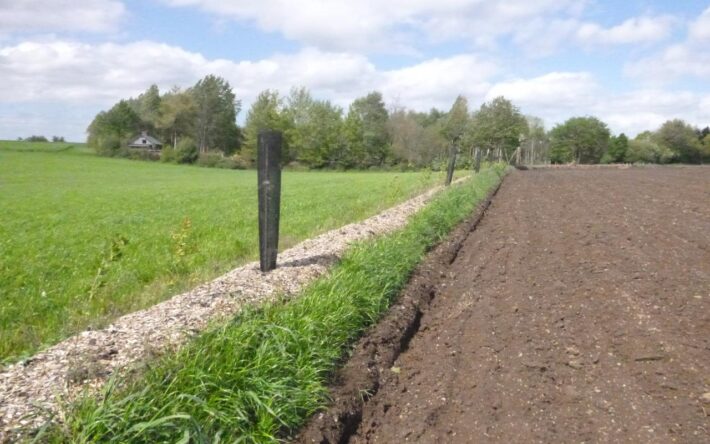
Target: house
{"type": "Point", "coordinates": [146, 141]}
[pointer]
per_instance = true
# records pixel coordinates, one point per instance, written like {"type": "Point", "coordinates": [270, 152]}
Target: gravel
{"type": "Point", "coordinates": [31, 391]}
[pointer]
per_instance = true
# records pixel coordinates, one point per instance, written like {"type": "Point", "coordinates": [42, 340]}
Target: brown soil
{"type": "Point", "coordinates": [577, 311]}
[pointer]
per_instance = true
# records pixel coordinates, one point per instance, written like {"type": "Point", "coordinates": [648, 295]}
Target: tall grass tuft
{"type": "Point", "coordinates": [259, 377]}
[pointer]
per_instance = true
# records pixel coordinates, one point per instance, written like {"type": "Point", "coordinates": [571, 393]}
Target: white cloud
{"type": "Point", "coordinates": [633, 30]}
{"type": "Point", "coordinates": [61, 74]}
{"type": "Point", "coordinates": [558, 96]}
{"type": "Point", "coordinates": [390, 26]}
{"type": "Point", "coordinates": [437, 82]}
{"type": "Point", "coordinates": [71, 71]}
{"type": "Point", "coordinates": [699, 30]}
{"type": "Point", "coordinates": [77, 74]}
{"type": "Point", "coordinates": [558, 91]}
{"type": "Point", "coordinates": [47, 16]}
{"type": "Point", "coordinates": [690, 58]}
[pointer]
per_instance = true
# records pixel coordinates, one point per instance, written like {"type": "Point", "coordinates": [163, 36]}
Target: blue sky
{"type": "Point", "coordinates": [634, 64]}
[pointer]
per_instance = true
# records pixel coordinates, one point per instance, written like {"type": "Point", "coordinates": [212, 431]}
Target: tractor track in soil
{"type": "Point", "coordinates": [576, 310]}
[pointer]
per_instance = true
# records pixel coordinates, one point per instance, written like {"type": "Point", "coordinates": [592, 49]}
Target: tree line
{"type": "Point", "coordinates": [588, 140]}
{"type": "Point", "coordinates": [199, 124]}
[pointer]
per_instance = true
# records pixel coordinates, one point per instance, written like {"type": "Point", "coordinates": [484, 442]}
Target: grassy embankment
{"type": "Point", "coordinates": [84, 239]}
{"type": "Point", "coordinates": [258, 378]}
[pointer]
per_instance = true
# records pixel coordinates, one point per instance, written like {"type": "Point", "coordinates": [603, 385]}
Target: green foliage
{"type": "Point", "coordinates": [366, 131]}
{"type": "Point", "coordinates": [61, 207]}
{"type": "Point", "coordinates": [36, 139]}
{"type": "Point", "coordinates": [457, 121]}
{"type": "Point", "coordinates": [315, 132]}
{"type": "Point", "coordinates": [645, 149]}
{"type": "Point", "coordinates": [579, 140]}
{"type": "Point", "coordinates": [617, 149]}
{"type": "Point", "coordinates": [213, 159]}
{"type": "Point", "coordinates": [498, 125]}
{"type": "Point", "coordinates": [417, 139]}
{"type": "Point", "coordinates": [537, 143]}
{"type": "Point", "coordinates": [177, 115]}
{"type": "Point", "coordinates": [259, 377]}
{"type": "Point", "coordinates": [682, 139]}
{"type": "Point", "coordinates": [216, 115]}
{"type": "Point", "coordinates": [206, 113]}
{"type": "Point", "coordinates": [110, 130]}
{"type": "Point", "coordinates": [266, 113]}
{"type": "Point", "coordinates": [186, 151]}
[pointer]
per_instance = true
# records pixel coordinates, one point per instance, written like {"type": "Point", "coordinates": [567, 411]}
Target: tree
{"type": "Point", "coordinates": [412, 141]}
{"type": "Point", "coordinates": [617, 149]}
{"type": "Point", "coordinates": [177, 115]}
{"type": "Point", "coordinates": [644, 148]}
{"type": "Point", "coordinates": [457, 120]}
{"type": "Point", "coordinates": [323, 144]}
{"type": "Point", "coordinates": [366, 131]}
{"type": "Point", "coordinates": [313, 130]}
{"type": "Point", "coordinates": [498, 126]}
{"type": "Point", "coordinates": [147, 106]}
{"type": "Point", "coordinates": [111, 129]}
{"type": "Point", "coordinates": [579, 140]}
{"type": "Point", "coordinates": [536, 145]}
{"type": "Point", "coordinates": [681, 139]}
{"type": "Point", "coordinates": [216, 115]}
{"type": "Point", "coordinates": [706, 148]}
{"type": "Point", "coordinates": [266, 113]}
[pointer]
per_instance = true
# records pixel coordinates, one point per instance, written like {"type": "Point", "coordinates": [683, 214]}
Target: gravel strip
{"type": "Point", "coordinates": [31, 390]}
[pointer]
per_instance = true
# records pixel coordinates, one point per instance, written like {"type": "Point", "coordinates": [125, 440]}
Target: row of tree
{"type": "Point", "coordinates": [35, 138]}
{"type": "Point", "coordinates": [588, 140]}
{"type": "Point", "coordinates": [205, 115]}
{"type": "Point", "coordinates": [200, 123]}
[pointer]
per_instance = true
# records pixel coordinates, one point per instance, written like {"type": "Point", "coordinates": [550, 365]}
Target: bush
{"type": "Point", "coordinates": [141, 154]}
{"type": "Point", "coordinates": [210, 159]}
{"type": "Point", "coordinates": [186, 151]}
{"type": "Point", "coordinates": [219, 160]}
{"type": "Point", "coordinates": [108, 145]}
{"type": "Point", "coordinates": [646, 150]}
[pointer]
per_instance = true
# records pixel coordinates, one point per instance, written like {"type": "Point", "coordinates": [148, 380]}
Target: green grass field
{"type": "Point", "coordinates": [84, 239]}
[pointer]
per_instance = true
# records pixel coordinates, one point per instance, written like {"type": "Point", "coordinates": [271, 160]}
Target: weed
{"type": "Point", "coordinates": [113, 253]}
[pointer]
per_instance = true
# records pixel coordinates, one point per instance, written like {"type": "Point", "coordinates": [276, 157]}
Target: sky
{"type": "Point", "coordinates": [634, 64]}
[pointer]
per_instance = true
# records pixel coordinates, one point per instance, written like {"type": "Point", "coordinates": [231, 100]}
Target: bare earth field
{"type": "Point", "coordinates": [578, 310]}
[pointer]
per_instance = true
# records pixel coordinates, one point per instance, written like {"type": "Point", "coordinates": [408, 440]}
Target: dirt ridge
{"type": "Point", "coordinates": [361, 377]}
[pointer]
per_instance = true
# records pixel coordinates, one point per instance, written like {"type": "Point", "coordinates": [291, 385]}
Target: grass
{"type": "Point", "coordinates": [84, 239]}
{"type": "Point", "coordinates": [258, 378]}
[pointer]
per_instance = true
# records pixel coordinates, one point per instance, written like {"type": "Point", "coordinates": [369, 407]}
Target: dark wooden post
{"type": "Point", "coordinates": [477, 167]}
{"type": "Point", "coordinates": [452, 164]}
{"type": "Point", "coordinates": [269, 177]}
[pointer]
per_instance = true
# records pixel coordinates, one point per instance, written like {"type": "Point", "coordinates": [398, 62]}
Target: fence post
{"type": "Point", "coordinates": [452, 164]}
{"type": "Point", "coordinates": [477, 167]}
{"type": "Point", "coordinates": [269, 178]}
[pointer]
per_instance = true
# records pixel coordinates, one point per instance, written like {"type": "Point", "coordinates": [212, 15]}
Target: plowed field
{"type": "Point", "coordinates": [578, 310]}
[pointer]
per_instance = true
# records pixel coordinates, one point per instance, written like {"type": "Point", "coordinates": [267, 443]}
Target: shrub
{"type": "Point", "coordinates": [108, 145]}
{"type": "Point", "coordinates": [186, 151]}
{"type": "Point", "coordinates": [210, 159]}
{"type": "Point", "coordinates": [647, 150]}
